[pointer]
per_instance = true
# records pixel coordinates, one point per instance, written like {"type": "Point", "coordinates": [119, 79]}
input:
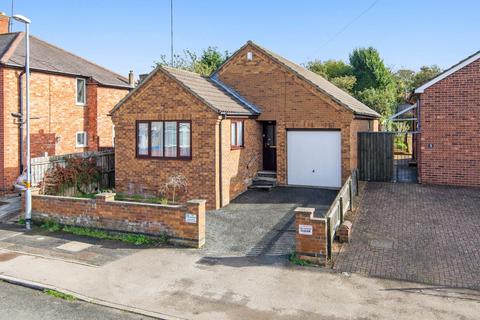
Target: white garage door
{"type": "Point", "coordinates": [314, 158]}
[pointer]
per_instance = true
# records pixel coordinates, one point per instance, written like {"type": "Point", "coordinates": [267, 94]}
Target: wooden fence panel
{"type": "Point", "coordinates": [375, 156]}
{"type": "Point", "coordinates": [105, 161]}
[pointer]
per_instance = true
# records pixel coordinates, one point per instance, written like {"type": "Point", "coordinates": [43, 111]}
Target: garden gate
{"type": "Point", "coordinates": [387, 156]}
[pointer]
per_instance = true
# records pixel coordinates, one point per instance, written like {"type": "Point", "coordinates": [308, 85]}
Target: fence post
{"type": "Point", "coordinates": [329, 238]}
{"type": "Point", "coordinates": [340, 206]}
{"type": "Point", "coordinates": [350, 193]}
{"type": "Point", "coordinates": [356, 181]}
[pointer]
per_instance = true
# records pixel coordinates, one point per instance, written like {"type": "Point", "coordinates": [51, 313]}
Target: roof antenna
{"type": "Point", "coordinates": [171, 33]}
{"type": "Point", "coordinates": [10, 23]}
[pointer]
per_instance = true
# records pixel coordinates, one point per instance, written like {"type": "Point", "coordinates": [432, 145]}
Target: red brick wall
{"type": "Point", "coordinates": [106, 213]}
{"type": "Point", "coordinates": [4, 20]}
{"type": "Point", "coordinates": [239, 166]}
{"type": "Point", "coordinates": [450, 121]}
{"type": "Point", "coordinates": [163, 99]}
{"type": "Point", "coordinates": [289, 101]}
{"type": "Point", "coordinates": [314, 246]}
{"type": "Point", "coordinates": [55, 117]}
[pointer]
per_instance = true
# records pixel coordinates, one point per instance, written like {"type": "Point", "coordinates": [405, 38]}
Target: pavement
{"type": "Point", "coordinates": [420, 233]}
{"type": "Point", "coordinates": [9, 206]}
{"type": "Point", "coordinates": [261, 223]}
{"type": "Point", "coordinates": [176, 283]}
{"type": "Point", "coordinates": [23, 303]}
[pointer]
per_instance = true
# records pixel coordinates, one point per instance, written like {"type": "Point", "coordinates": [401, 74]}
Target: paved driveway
{"type": "Point", "coordinates": [428, 234]}
{"type": "Point", "coordinates": [260, 223]}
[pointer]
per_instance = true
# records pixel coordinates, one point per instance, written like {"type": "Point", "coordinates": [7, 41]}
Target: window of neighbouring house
{"type": "Point", "coordinates": [164, 139]}
{"type": "Point", "coordinates": [81, 91]}
{"type": "Point", "coordinates": [81, 139]}
{"type": "Point", "coordinates": [236, 134]}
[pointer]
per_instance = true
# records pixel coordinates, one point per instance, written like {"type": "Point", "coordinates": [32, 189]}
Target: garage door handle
{"type": "Point", "coordinates": [313, 170]}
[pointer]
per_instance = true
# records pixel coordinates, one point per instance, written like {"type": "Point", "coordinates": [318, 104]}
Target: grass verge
{"type": "Point", "coordinates": [294, 259]}
{"type": "Point", "coordinates": [132, 238]}
{"type": "Point", "coordinates": [60, 295]}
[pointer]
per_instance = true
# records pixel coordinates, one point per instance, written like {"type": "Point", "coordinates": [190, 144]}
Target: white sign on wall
{"type": "Point", "coordinates": [190, 218]}
{"type": "Point", "coordinates": [305, 229]}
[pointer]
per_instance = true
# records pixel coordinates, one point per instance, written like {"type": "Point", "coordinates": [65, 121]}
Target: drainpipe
{"type": "Point", "coordinates": [224, 115]}
{"type": "Point", "coordinates": [20, 110]}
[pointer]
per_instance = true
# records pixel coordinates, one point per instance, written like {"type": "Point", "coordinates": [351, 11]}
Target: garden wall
{"type": "Point", "coordinates": [311, 236]}
{"type": "Point", "coordinates": [184, 224]}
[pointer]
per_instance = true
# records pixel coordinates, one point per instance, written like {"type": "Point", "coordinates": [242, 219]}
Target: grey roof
{"type": "Point", "coordinates": [214, 94]}
{"type": "Point", "coordinates": [47, 57]}
{"type": "Point", "coordinates": [321, 84]}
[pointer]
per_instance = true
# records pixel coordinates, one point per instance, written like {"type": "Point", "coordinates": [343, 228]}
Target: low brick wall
{"type": "Point", "coordinates": [184, 224]}
{"type": "Point", "coordinates": [310, 236]}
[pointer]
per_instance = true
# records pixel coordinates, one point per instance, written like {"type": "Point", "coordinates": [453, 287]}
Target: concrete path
{"type": "Point", "coordinates": [180, 284]}
{"type": "Point", "coordinates": [428, 234]}
{"type": "Point", "coordinates": [9, 206]}
{"type": "Point", "coordinates": [22, 303]}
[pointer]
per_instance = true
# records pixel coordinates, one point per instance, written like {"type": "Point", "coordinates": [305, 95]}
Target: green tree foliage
{"type": "Point", "coordinates": [425, 74]}
{"type": "Point", "coordinates": [205, 64]}
{"type": "Point", "coordinates": [369, 70]}
{"type": "Point", "coordinates": [336, 71]}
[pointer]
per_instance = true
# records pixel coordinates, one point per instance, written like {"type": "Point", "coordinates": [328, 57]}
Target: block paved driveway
{"type": "Point", "coordinates": [261, 223]}
{"type": "Point", "coordinates": [428, 234]}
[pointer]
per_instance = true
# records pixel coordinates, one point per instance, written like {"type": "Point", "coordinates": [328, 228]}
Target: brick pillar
{"type": "Point", "coordinates": [91, 116]}
{"type": "Point", "coordinates": [4, 23]}
{"type": "Point", "coordinates": [197, 207]}
{"type": "Point", "coordinates": [310, 236]}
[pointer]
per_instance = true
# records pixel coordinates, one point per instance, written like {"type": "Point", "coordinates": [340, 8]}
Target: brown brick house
{"type": "Point", "coordinates": [449, 124]}
{"type": "Point", "coordinates": [70, 98]}
{"type": "Point", "coordinates": [258, 111]}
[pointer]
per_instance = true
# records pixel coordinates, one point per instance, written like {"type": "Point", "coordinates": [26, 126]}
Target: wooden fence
{"type": "Point", "coordinates": [376, 156]}
{"type": "Point", "coordinates": [341, 205]}
{"type": "Point", "coordinates": [105, 161]}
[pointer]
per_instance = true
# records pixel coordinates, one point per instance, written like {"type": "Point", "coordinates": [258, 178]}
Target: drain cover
{"type": "Point", "coordinates": [382, 244]}
{"type": "Point", "coordinates": [74, 246]}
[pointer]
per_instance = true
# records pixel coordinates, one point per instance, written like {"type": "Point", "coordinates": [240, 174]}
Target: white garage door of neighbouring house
{"type": "Point", "coordinates": [314, 158]}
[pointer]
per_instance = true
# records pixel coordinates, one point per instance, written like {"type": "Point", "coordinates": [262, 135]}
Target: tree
{"type": "Point", "coordinates": [404, 80]}
{"type": "Point", "coordinates": [336, 71]}
{"type": "Point", "coordinates": [205, 65]}
{"type": "Point", "coordinates": [369, 69]}
{"type": "Point", "coordinates": [425, 74]}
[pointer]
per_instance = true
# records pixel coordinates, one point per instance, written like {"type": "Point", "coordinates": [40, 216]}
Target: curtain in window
{"type": "Point", "coordinates": [170, 139]}
{"type": "Point", "coordinates": [157, 139]}
{"type": "Point", "coordinates": [142, 139]}
{"type": "Point", "coordinates": [233, 134]}
{"type": "Point", "coordinates": [184, 129]}
{"type": "Point", "coordinates": [240, 134]}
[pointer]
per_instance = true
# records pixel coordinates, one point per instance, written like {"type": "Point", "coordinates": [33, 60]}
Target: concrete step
{"type": "Point", "coordinates": [260, 187]}
{"type": "Point", "coordinates": [267, 174]}
{"type": "Point", "coordinates": [264, 181]}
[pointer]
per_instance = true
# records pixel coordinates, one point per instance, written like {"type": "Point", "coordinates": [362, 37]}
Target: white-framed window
{"type": "Point", "coordinates": [81, 92]}
{"type": "Point", "coordinates": [81, 139]}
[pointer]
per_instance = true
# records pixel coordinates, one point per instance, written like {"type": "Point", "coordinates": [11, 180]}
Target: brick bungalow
{"type": "Point", "coordinates": [258, 111]}
{"type": "Point", "coordinates": [70, 98]}
{"type": "Point", "coordinates": [449, 124]}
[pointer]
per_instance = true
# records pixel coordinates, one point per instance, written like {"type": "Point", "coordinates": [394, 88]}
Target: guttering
{"type": "Point", "coordinates": [223, 116]}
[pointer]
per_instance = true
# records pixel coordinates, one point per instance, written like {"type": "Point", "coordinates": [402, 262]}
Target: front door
{"type": "Point", "coordinates": [269, 146]}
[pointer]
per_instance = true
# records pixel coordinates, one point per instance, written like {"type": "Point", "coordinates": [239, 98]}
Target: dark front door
{"type": "Point", "coordinates": [269, 146]}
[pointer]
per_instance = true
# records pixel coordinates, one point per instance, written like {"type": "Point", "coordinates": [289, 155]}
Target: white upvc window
{"type": "Point", "coordinates": [81, 92]}
{"type": "Point", "coordinates": [81, 139]}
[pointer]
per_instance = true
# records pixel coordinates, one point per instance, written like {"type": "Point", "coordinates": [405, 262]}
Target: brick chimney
{"type": "Point", "coordinates": [131, 78]}
{"type": "Point", "coordinates": [4, 23]}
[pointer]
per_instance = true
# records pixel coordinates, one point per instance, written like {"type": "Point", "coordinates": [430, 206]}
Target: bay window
{"type": "Point", "coordinates": [164, 139]}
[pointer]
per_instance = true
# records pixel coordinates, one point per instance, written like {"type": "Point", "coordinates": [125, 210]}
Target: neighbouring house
{"type": "Point", "coordinates": [449, 125]}
{"type": "Point", "coordinates": [257, 112]}
{"type": "Point", "coordinates": [70, 98]}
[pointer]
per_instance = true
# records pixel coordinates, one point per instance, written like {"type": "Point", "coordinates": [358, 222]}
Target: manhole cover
{"type": "Point", "coordinates": [382, 244]}
{"type": "Point", "coordinates": [74, 246]}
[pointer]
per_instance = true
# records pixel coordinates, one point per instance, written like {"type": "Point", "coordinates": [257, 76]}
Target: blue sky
{"type": "Point", "coordinates": [126, 34]}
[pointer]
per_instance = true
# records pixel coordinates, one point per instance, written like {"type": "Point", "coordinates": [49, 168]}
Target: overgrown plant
{"type": "Point", "coordinates": [80, 173]}
{"type": "Point", "coordinates": [175, 183]}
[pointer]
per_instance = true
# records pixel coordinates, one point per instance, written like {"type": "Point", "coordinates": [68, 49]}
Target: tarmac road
{"type": "Point", "coordinates": [17, 302]}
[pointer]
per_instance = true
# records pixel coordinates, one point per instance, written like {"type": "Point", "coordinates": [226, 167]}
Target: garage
{"type": "Point", "coordinates": [314, 158]}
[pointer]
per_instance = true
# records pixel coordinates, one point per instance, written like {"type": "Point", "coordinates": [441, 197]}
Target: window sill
{"type": "Point", "coordinates": [81, 104]}
{"type": "Point", "coordinates": [77, 146]}
{"type": "Point", "coordinates": [236, 147]}
{"type": "Point", "coordinates": [162, 158]}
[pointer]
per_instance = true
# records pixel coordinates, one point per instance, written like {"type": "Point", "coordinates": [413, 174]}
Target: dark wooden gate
{"type": "Point", "coordinates": [375, 156]}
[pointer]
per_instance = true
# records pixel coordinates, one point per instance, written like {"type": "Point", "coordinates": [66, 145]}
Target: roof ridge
{"type": "Point", "coordinates": [81, 58]}
{"type": "Point", "coordinates": [12, 47]}
{"type": "Point", "coordinates": [183, 70]}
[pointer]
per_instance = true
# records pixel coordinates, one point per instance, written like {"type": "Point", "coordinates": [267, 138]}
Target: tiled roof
{"type": "Point", "coordinates": [214, 94]}
{"type": "Point", "coordinates": [321, 84]}
{"type": "Point", "coordinates": [47, 57]}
